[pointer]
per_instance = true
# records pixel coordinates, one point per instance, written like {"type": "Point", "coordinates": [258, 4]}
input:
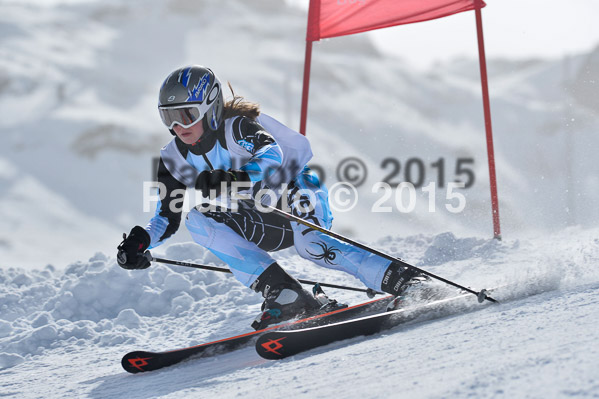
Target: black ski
{"type": "Point", "coordinates": [280, 344]}
{"type": "Point", "coordinates": [141, 361]}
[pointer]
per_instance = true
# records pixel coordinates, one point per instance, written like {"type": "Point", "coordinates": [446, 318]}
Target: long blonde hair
{"type": "Point", "coordinates": [238, 106]}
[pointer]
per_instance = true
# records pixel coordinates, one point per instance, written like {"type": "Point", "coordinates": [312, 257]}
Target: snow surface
{"type": "Point", "coordinates": [78, 131]}
{"type": "Point", "coordinates": [62, 333]}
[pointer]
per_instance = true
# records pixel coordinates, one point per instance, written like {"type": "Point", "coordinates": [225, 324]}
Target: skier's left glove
{"type": "Point", "coordinates": [212, 180]}
{"type": "Point", "coordinates": [132, 251]}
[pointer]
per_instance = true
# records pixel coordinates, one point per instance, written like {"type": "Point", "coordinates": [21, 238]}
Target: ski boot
{"type": "Point", "coordinates": [285, 299]}
{"type": "Point", "coordinates": [401, 282]}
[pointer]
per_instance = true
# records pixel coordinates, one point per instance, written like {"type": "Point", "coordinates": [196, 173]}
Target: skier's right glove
{"type": "Point", "coordinates": [132, 251]}
{"type": "Point", "coordinates": [210, 180]}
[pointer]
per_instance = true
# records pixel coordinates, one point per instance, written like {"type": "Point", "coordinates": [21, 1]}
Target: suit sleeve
{"type": "Point", "coordinates": [266, 157]}
{"type": "Point", "coordinates": [169, 209]}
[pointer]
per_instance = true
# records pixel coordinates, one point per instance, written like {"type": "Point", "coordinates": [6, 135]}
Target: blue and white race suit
{"type": "Point", "coordinates": [274, 156]}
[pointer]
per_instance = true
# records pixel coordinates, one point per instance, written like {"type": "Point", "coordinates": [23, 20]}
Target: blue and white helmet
{"type": "Point", "coordinates": [191, 94]}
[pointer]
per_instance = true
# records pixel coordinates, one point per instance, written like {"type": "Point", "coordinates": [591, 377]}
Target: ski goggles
{"type": "Point", "coordinates": [183, 115]}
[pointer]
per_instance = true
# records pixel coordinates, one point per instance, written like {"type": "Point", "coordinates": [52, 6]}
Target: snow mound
{"type": "Point", "coordinates": [98, 303]}
{"type": "Point", "coordinates": [35, 215]}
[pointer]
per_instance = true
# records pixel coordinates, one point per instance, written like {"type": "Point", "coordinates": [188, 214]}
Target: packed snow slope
{"type": "Point", "coordinates": [63, 333]}
{"type": "Point", "coordinates": [79, 128]}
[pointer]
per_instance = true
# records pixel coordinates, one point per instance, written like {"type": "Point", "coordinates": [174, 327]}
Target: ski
{"type": "Point", "coordinates": [283, 343]}
{"type": "Point", "coordinates": [142, 361]}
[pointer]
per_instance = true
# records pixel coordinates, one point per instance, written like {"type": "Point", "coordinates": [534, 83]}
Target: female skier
{"type": "Point", "coordinates": [217, 145]}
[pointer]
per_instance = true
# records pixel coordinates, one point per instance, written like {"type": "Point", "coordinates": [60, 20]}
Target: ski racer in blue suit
{"type": "Point", "coordinates": [218, 146]}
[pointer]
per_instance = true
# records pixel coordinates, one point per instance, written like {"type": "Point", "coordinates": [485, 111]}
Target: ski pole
{"type": "Point", "coordinates": [370, 292]}
{"type": "Point", "coordinates": [482, 295]}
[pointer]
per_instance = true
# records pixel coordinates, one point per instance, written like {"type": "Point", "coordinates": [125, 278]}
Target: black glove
{"type": "Point", "coordinates": [132, 251]}
{"type": "Point", "coordinates": [212, 179]}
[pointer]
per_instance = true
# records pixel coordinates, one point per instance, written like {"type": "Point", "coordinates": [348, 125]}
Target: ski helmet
{"type": "Point", "coordinates": [191, 94]}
